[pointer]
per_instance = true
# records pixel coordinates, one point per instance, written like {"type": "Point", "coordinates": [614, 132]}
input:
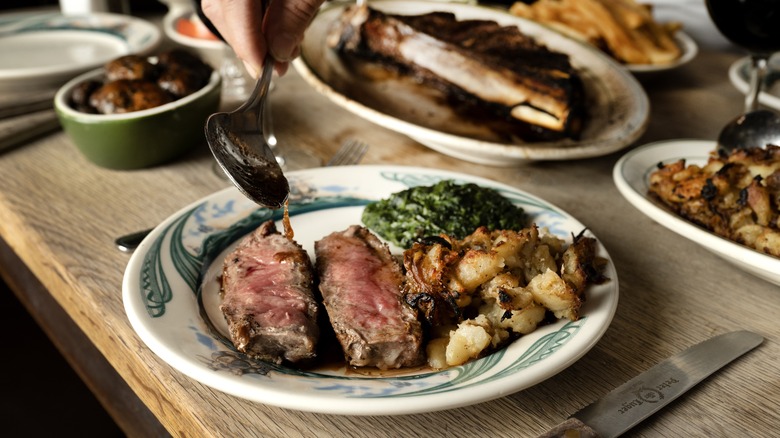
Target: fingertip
{"type": "Point", "coordinates": [284, 47]}
{"type": "Point", "coordinates": [281, 68]}
{"type": "Point", "coordinates": [251, 69]}
{"type": "Point", "coordinates": [254, 71]}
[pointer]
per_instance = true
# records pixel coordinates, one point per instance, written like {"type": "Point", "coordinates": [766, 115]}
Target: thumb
{"type": "Point", "coordinates": [286, 22]}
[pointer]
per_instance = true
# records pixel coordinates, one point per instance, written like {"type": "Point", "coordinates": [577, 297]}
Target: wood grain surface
{"type": "Point", "coordinates": [59, 215]}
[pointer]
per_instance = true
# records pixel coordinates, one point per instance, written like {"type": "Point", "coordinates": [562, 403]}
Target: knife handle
{"type": "Point", "coordinates": [571, 428]}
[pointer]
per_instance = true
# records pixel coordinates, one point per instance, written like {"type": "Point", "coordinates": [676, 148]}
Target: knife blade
{"type": "Point", "coordinates": [645, 394]}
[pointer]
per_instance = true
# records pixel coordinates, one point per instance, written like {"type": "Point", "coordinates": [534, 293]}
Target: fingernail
{"type": "Point", "coordinates": [284, 47]}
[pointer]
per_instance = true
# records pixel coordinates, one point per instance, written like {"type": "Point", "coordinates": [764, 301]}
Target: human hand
{"type": "Point", "coordinates": [240, 22]}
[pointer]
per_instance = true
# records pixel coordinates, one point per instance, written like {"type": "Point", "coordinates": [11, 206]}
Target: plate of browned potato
{"type": "Point", "coordinates": [171, 293]}
{"type": "Point", "coordinates": [623, 29]}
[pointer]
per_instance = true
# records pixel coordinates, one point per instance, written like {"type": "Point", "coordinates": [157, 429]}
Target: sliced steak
{"type": "Point", "coordinates": [361, 286]}
{"type": "Point", "coordinates": [482, 67]}
{"type": "Point", "coordinates": [268, 298]}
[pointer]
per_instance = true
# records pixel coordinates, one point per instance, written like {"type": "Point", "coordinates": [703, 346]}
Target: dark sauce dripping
{"type": "Point", "coordinates": [288, 231]}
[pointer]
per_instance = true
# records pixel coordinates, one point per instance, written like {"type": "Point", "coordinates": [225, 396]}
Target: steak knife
{"type": "Point", "coordinates": [640, 397]}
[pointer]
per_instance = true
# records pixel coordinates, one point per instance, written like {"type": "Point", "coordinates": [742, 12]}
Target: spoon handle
{"type": "Point", "coordinates": [129, 242]}
{"type": "Point", "coordinates": [759, 66]}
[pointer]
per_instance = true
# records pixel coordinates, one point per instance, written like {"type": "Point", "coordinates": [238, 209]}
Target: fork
{"type": "Point", "coordinates": [351, 151]}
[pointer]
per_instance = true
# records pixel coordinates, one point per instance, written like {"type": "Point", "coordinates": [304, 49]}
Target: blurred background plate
{"type": "Point", "coordinates": [618, 105]}
{"type": "Point", "coordinates": [689, 51]}
{"type": "Point", "coordinates": [739, 74]}
{"type": "Point", "coordinates": [183, 26]}
{"type": "Point", "coordinates": [46, 50]}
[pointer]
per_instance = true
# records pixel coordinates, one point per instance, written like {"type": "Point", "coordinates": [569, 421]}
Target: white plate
{"type": "Point", "coordinates": [632, 176]}
{"type": "Point", "coordinates": [739, 74]}
{"type": "Point", "coordinates": [618, 106]}
{"type": "Point", "coordinates": [689, 51]}
{"type": "Point", "coordinates": [163, 277]}
{"type": "Point", "coordinates": [46, 50]}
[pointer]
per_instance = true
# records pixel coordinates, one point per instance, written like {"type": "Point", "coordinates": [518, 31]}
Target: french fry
{"type": "Point", "coordinates": [624, 29]}
{"type": "Point", "coordinates": [631, 15]}
{"type": "Point", "coordinates": [615, 33]}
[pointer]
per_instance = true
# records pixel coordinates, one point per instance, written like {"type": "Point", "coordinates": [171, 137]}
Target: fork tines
{"type": "Point", "coordinates": [351, 152]}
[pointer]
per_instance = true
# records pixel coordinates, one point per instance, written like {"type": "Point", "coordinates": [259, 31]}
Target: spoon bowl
{"type": "Point", "coordinates": [753, 129]}
{"type": "Point", "coordinates": [246, 158]}
{"type": "Point", "coordinates": [239, 144]}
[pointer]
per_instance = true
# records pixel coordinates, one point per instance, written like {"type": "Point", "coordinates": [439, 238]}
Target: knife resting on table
{"type": "Point", "coordinates": [645, 394]}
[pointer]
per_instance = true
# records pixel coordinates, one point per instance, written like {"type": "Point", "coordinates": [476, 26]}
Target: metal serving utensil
{"type": "Point", "coordinates": [754, 129]}
{"type": "Point", "coordinates": [350, 152]}
{"type": "Point", "coordinates": [239, 143]}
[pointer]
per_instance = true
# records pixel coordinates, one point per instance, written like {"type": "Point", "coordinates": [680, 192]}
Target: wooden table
{"type": "Point", "coordinates": [59, 215]}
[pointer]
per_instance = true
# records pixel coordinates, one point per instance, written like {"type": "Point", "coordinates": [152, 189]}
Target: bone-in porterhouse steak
{"type": "Point", "coordinates": [268, 299]}
{"type": "Point", "coordinates": [361, 287]}
{"type": "Point", "coordinates": [486, 70]}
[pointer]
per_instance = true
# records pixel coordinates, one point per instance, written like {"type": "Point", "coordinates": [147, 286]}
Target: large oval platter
{"type": "Point", "coordinates": [183, 257]}
{"type": "Point", "coordinates": [617, 104]}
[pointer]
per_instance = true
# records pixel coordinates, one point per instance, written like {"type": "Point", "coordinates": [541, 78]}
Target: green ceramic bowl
{"type": "Point", "coordinates": [142, 138]}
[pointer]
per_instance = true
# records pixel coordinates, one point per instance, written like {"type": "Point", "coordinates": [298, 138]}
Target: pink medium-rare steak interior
{"type": "Point", "coordinates": [268, 298]}
{"type": "Point", "coordinates": [361, 286]}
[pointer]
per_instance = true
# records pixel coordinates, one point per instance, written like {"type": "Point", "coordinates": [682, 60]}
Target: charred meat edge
{"type": "Point", "coordinates": [498, 65]}
{"type": "Point", "coordinates": [361, 286]}
{"type": "Point", "coordinates": [268, 298]}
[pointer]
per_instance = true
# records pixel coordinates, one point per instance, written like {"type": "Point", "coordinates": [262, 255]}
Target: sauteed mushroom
{"type": "Point", "coordinates": [135, 83]}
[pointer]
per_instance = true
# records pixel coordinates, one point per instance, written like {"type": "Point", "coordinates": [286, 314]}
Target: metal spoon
{"type": "Point", "coordinates": [754, 129]}
{"type": "Point", "coordinates": [350, 152]}
{"type": "Point", "coordinates": [129, 242]}
{"type": "Point", "coordinates": [239, 144]}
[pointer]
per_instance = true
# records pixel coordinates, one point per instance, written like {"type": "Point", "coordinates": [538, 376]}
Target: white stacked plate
{"type": "Point", "coordinates": [45, 50]}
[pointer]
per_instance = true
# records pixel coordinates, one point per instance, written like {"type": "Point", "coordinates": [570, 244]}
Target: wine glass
{"type": "Point", "coordinates": [753, 25]}
{"type": "Point", "coordinates": [287, 157]}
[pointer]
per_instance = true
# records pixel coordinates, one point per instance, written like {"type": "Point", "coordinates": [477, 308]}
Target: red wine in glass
{"type": "Point", "coordinates": [755, 26]}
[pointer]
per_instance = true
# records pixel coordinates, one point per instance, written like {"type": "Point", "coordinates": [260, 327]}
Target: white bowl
{"type": "Point", "coordinates": [210, 51]}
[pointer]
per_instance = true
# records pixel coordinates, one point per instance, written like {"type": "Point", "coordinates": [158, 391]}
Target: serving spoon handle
{"type": "Point", "coordinates": [130, 242]}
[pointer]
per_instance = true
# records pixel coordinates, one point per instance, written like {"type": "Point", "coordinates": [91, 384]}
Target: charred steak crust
{"type": "Point", "coordinates": [268, 298]}
{"type": "Point", "coordinates": [482, 67]}
{"type": "Point", "coordinates": [361, 286]}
